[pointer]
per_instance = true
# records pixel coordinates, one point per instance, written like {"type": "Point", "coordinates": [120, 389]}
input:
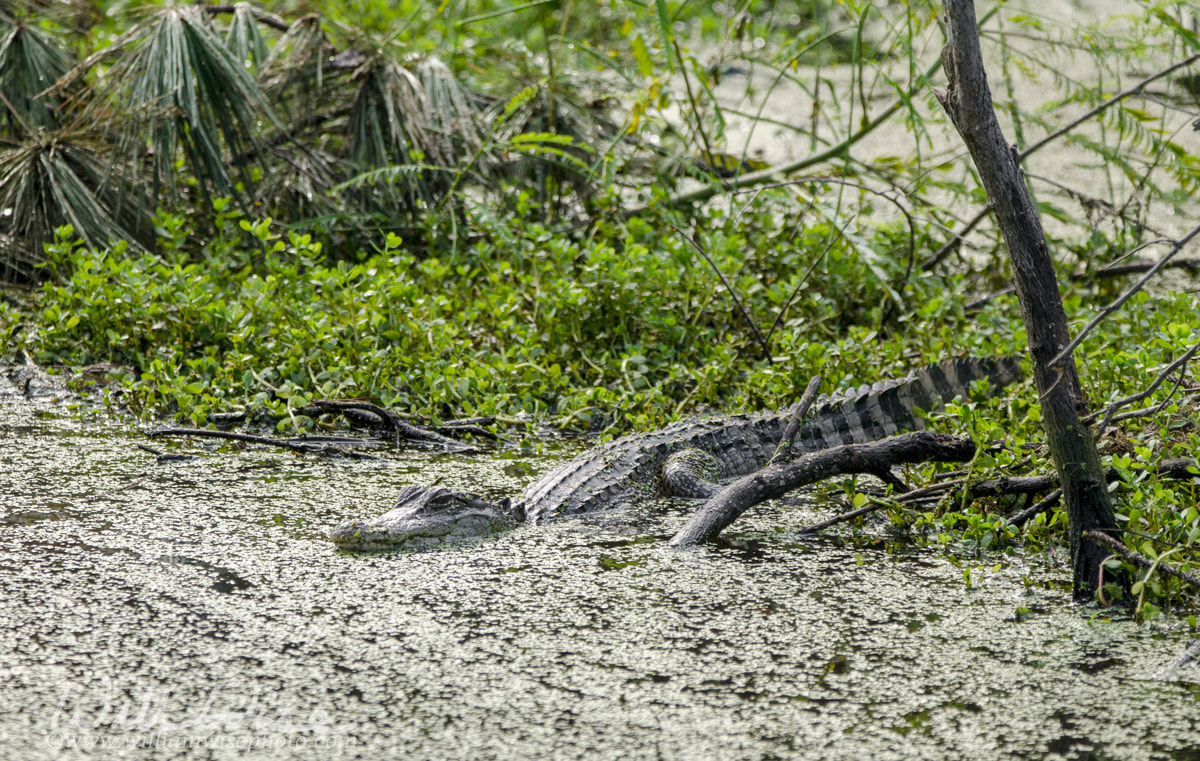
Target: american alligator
{"type": "Point", "coordinates": [685, 459]}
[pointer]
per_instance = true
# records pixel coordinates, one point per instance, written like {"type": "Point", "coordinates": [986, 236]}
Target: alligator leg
{"type": "Point", "coordinates": [690, 473]}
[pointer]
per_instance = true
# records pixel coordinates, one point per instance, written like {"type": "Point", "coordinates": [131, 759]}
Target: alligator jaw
{"type": "Point", "coordinates": [425, 518]}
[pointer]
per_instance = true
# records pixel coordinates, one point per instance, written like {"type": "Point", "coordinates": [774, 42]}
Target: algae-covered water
{"type": "Point", "coordinates": [195, 610]}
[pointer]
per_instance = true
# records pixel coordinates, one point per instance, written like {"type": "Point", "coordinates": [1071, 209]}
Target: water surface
{"type": "Point", "coordinates": [196, 610]}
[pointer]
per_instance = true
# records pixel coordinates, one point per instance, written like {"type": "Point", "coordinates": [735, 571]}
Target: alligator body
{"type": "Point", "coordinates": [687, 459]}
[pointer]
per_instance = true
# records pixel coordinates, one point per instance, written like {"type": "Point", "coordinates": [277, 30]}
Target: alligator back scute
{"type": "Point", "coordinates": [890, 408]}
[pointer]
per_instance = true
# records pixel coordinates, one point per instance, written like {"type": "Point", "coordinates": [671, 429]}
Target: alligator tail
{"type": "Point", "coordinates": [890, 408]}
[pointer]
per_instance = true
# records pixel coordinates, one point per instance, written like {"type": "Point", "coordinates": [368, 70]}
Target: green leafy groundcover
{"type": "Point", "coordinates": [625, 329]}
{"type": "Point", "coordinates": [521, 320]}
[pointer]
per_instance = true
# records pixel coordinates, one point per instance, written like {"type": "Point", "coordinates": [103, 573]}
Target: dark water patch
{"type": "Point", "coordinates": [226, 580]}
{"type": "Point", "coordinates": [26, 517]}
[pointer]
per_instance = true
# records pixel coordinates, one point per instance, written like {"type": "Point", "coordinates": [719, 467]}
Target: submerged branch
{"type": "Point", "coordinates": [844, 517]}
{"type": "Point", "coordinates": [296, 445]}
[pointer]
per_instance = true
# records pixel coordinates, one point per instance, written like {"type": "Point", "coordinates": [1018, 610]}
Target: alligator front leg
{"type": "Point", "coordinates": [690, 473]}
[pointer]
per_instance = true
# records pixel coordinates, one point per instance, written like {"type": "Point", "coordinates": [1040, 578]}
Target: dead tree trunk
{"type": "Point", "coordinates": [968, 101]}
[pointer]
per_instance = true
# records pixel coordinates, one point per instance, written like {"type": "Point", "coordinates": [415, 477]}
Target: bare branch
{"type": "Point", "coordinates": [1048, 502]}
{"type": "Point", "coordinates": [1150, 411]}
{"type": "Point", "coordinates": [1128, 294]}
{"type": "Point", "coordinates": [1141, 560]}
{"type": "Point", "coordinates": [262, 17]}
{"type": "Point", "coordinates": [1135, 90]}
{"type": "Point", "coordinates": [732, 293]}
{"type": "Point", "coordinates": [390, 420]}
{"type": "Point", "coordinates": [1179, 364]}
{"type": "Point", "coordinates": [783, 452]}
{"type": "Point", "coordinates": [775, 173]}
{"type": "Point", "coordinates": [957, 240]}
{"type": "Point", "coordinates": [803, 279]}
{"type": "Point", "coordinates": [1117, 269]}
{"type": "Point", "coordinates": [912, 227]}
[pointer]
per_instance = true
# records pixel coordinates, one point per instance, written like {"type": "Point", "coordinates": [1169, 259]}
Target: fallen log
{"type": "Point", "coordinates": [876, 458]}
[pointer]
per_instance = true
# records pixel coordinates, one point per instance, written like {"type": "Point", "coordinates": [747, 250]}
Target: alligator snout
{"type": "Point", "coordinates": [425, 518]}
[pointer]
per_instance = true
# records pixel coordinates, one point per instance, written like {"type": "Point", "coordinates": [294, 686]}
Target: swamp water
{"type": "Point", "coordinates": [195, 610]}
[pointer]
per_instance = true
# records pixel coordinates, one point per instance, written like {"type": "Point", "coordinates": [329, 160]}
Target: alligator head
{"type": "Point", "coordinates": [427, 517]}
